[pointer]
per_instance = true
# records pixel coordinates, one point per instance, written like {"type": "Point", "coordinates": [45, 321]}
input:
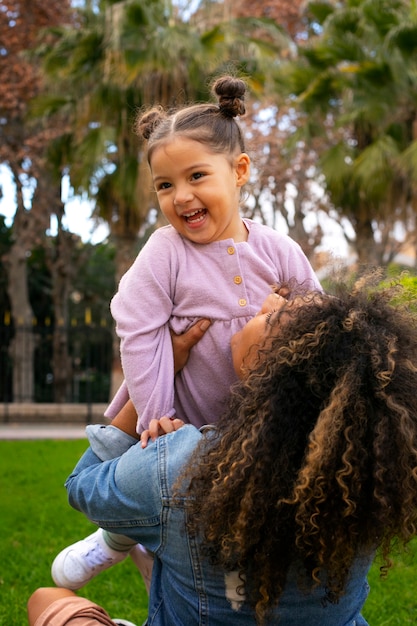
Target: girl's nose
{"type": "Point", "coordinates": [183, 194]}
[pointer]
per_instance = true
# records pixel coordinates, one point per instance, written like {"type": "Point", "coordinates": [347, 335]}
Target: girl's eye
{"type": "Point", "coordinates": [197, 175]}
{"type": "Point", "coordinates": [268, 317]}
{"type": "Point", "coordinates": [163, 186]}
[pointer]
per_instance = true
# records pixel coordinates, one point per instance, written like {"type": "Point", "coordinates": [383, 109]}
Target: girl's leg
{"type": "Point", "coordinates": [143, 559]}
{"type": "Point", "coordinates": [120, 543]}
{"type": "Point", "coordinates": [77, 564]}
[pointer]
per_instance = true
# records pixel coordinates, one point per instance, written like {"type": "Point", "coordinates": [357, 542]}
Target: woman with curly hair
{"type": "Point", "coordinates": [274, 516]}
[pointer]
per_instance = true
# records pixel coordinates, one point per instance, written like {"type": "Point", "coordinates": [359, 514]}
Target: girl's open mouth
{"type": "Point", "coordinates": [195, 216]}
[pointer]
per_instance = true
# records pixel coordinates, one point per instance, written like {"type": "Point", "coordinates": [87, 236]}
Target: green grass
{"type": "Point", "coordinates": [393, 600]}
{"type": "Point", "coordinates": [37, 522]}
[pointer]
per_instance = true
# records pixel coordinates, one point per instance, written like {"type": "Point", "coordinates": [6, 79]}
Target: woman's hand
{"type": "Point", "coordinates": [182, 344]}
{"type": "Point", "coordinates": [159, 427]}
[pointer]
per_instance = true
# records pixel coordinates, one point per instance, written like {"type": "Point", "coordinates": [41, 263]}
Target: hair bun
{"type": "Point", "coordinates": [230, 93]}
{"type": "Point", "coordinates": [146, 124]}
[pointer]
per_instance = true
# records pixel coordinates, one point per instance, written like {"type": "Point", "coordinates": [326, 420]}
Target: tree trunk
{"type": "Point", "coordinates": [61, 269]}
{"type": "Point", "coordinates": [62, 266]}
{"type": "Point", "coordinates": [22, 346]}
{"type": "Point", "coordinates": [367, 250]}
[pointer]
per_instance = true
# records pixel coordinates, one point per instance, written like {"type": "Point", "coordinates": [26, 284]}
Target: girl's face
{"type": "Point", "coordinates": [198, 191]}
{"type": "Point", "coordinates": [253, 334]}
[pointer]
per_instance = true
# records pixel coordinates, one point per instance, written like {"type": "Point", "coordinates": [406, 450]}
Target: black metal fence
{"type": "Point", "coordinates": [90, 352]}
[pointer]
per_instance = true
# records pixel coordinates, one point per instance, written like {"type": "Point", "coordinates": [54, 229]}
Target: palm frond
{"type": "Point", "coordinates": [408, 163]}
{"type": "Point", "coordinates": [319, 11]}
{"type": "Point", "coordinates": [403, 38]}
{"type": "Point", "coordinates": [374, 168]}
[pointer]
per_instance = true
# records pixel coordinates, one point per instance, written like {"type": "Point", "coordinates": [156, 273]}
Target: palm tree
{"type": "Point", "coordinates": [132, 54]}
{"type": "Point", "coordinates": [128, 55]}
{"type": "Point", "coordinates": [355, 84]}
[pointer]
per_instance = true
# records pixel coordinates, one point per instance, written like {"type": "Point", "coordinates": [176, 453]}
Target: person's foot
{"type": "Point", "coordinates": [123, 622]}
{"type": "Point", "coordinates": [77, 564]}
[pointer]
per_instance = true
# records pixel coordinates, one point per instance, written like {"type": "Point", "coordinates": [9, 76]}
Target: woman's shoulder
{"type": "Point", "coordinates": [185, 438]}
{"type": "Point", "coordinates": [177, 447]}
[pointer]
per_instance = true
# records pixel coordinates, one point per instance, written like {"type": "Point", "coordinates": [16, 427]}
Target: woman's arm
{"type": "Point", "coordinates": [182, 344]}
{"type": "Point", "coordinates": [123, 493]}
{"type": "Point", "coordinates": [126, 419]}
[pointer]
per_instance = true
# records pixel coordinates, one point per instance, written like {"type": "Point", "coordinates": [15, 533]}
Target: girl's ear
{"type": "Point", "coordinates": [242, 168]}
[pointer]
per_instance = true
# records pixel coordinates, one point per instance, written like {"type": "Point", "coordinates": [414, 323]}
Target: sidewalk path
{"type": "Point", "coordinates": [41, 431]}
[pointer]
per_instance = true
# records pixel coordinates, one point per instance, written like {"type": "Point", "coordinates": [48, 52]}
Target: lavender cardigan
{"type": "Point", "coordinates": [174, 282]}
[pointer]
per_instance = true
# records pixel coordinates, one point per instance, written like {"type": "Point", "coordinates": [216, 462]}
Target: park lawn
{"type": "Point", "coordinates": [37, 522]}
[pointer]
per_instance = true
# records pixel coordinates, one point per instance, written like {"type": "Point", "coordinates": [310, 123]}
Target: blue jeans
{"type": "Point", "coordinates": [128, 490]}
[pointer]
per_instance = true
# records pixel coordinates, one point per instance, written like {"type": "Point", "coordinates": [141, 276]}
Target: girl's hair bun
{"type": "Point", "coordinates": [230, 92]}
{"type": "Point", "coordinates": [146, 124]}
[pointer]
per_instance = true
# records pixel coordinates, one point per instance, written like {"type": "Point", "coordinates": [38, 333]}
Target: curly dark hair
{"type": "Point", "coordinates": [315, 458]}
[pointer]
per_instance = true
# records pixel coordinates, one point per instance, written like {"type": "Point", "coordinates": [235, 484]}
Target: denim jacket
{"type": "Point", "coordinates": [127, 489]}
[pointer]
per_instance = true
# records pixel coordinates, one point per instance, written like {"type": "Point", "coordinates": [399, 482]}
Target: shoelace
{"type": "Point", "coordinates": [96, 556]}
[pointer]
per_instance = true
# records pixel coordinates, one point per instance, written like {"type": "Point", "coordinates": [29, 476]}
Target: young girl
{"type": "Point", "coordinates": [209, 262]}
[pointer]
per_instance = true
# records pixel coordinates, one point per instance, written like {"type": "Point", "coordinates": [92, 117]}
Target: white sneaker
{"type": "Point", "coordinates": [76, 565]}
{"type": "Point", "coordinates": [123, 622]}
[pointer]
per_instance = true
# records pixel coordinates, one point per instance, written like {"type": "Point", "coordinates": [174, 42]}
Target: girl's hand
{"type": "Point", "coordinates": [159, 427]}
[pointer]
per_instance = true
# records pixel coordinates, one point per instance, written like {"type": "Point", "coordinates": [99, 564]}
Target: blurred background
{"type": "Point", "coordinates": [331, 126]}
